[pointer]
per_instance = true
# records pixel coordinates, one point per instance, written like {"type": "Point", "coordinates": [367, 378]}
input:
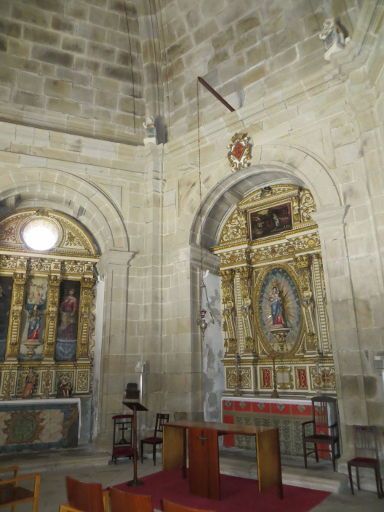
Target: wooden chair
{"type": "Point", "coordinates": [323, 430]}
{"type": "Point", "coordinates": [122, 436]}
{"type": "Point", "coordinates": [171, 506]}
{"type": "Point", "coordinates": [12, 493]}
{"type": "Point", "coordinates": [122, 501]}
{"type": "Point", "coordinates": [157, 438]}
{"type": "Point", "coordinates": [85, 497]}
{"type": "Point", "coordinates": [367, 452]}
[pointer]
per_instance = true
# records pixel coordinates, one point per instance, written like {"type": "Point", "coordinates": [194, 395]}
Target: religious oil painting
{"type": "Point", "coordinates": [6, 284]}
{"type": "Point", "coordinates": [279, 306]}
{"type": "Point", "coordinates": [270, 221]}
{"type": "Point", "coordinates": [67, 326]}
{"type": "Point", "coordinates": [33, 325]}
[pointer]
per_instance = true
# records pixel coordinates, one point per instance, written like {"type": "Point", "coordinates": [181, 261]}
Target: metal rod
{"type": "Point", "coordinates": [215, 93]}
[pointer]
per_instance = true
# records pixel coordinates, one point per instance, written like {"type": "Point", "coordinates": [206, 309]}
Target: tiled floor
{"type": "Point", "coordinates": [92, 465]}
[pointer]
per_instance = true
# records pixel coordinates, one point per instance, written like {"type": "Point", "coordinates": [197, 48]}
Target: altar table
{"type": "Point", "coordinates": [39, 424]}
{"type": "Point", "coordinates": [203, 454]}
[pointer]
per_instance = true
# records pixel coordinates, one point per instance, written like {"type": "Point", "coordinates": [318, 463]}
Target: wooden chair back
{"type": "Point", "coordinates": [366, 440]}
{"type": "Point", "coordinates": [88, 497]}
{"type": "Point", "coordinates": [161, 420]}
{"type": "Point", "coordinates": [324, 414]}
{"type": "Point", "coordinates": [122, 501]}
{"type": "Point", "coordinates": [20, 489]}
{"type": "Point", "coordinates": [171, 506]}
{"type": "Point", "coordinates": [122, 429]}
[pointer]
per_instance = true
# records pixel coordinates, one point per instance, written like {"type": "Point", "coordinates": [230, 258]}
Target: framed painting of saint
{"type": "Point", "coordinates": [6, 284]}
{"type": "Point", "coordinates": [33, 324]}
{"type": "Point", "coordinates": [68, 320]}
{"type": "Point", "coordinates": [270, 221]}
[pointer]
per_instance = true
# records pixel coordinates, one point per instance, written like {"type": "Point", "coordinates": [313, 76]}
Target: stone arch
{"type": "Point", "coordinates": [272, 164]}
{"type": "Point", "coordinates": [73, 195]}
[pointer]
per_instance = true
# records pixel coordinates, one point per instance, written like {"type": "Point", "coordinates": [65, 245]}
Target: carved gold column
{"type": "Point", "coordinates": [246, 309]}
{"type": "Point", "coordinates": [87, 285]}
{"type": "Point", "coordinates": [13, 338]}
{"type": "Point", "coordinates": [229, 311]}
{"type": "Point", "coordinates": [303, 266]}
{"type": "Point", "coordinates": [52, 311]}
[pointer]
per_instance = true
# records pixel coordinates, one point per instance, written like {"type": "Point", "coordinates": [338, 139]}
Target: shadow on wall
{"type": "Point", "coordinates": [161, 131]}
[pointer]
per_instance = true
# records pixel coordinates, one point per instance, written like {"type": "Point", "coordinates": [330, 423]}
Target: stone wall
{"type": "Point", "coordinates": [243, 49]}
{"type": "Point", "coordinates": [328, 138]}
{"type": "Point", "coordinates": [73, 65]}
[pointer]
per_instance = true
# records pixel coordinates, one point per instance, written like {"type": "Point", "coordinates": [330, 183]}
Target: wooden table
{"type": "Point", "coordinates": [203, 454]}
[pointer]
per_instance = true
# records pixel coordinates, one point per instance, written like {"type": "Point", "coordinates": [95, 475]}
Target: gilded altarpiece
{"type": "Point", "coordinates": [47, 303]}
{"type": "Point", "coordinates": [275, 324]}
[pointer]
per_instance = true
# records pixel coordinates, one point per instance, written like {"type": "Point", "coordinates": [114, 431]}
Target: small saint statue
{"type": "Point", "coordinates": [334, 35]}
{"type": "Point", "coordinates": [150, 130]}
{"type": "Point", "coordinates": [30, 384]}
{"type": "Point", "coordinates": [64, 387]}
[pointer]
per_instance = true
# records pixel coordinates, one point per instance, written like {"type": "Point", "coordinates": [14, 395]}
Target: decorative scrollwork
{"type": "Point", "coordinates": [236, 228]}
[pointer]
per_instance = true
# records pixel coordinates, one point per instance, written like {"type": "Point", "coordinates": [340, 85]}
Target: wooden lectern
{"type": "Point", "coordinates": [134, 406]}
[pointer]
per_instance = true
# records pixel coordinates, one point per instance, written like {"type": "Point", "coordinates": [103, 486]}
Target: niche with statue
{"type": "Point", "coordinates": [275, 328]}
{"type": "Point", "coordinates": [46, 305]}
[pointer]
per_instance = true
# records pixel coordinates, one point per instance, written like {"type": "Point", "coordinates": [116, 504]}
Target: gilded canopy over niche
{"type": "Point", "coordinates": [72, 240]}
{"type": "Point", "coordinates": [269, 212]}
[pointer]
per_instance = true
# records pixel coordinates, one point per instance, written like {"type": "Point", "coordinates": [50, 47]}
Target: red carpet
{"type": "Point", "coordinates": [237, 494]}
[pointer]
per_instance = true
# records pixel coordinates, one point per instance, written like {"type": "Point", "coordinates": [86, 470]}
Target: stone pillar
{"type": "Point", "coordinates": [114, 270]}
{"type": "Point", "coordinates": [344, 336]}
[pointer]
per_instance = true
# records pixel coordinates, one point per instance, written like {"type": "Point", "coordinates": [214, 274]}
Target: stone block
{"type": "Point", "coordinates": [30, 14]}
{"type": "Point", "coordinates": [82, 94]}
{"type": "Point", "coordinates": [52, 5]}
{"type": "Point", "coordinates": [180, 48]}
{"type": "Point", "coordinates": [246, 41]}
{"type": "Point", "coordinates": [29, 82]}
{"type": "Point", "coordinates": [10, 28]}
{"type": "Point", "coordinates": [76, 10]}
{"type": "Point", "coordinates": [58, 88]}
{"type": "Point", "coordinates": [257, 54]}
{"type": "Point", "coordinates": [371, 386]}
{"type": "Point", "coordinates": [218, 58]}
{"type": "Point", "coordinates": [74, 76]}
{"type": "Point", "coordinates": [41, 36]}
{"type": "Point", "coordinates": [18, 48]}
{"type": "Point", "coordinates": [126, 104]}
{"type": "Point", "coordinates": [5, 93]}
{"type": "Point", "coordinates": [3, 44]}
{"type": "Point", "coordinates": [286, 58]}
{"type": "Point", "coordinates": [247, 23]}
{"type": "Point", "coordinates": [87, 65]}
{"type": "Point", "coordinates": [100, 51]}
{"type": "Point", "coordinates": [106, 84]}
{"type": "Point", "coordinates": [104, 18]}
{"type": "Point", "coordinates": [93, 33]}
{"type": "Point", "coordinates": [63, 24]}
{"type": "Point", "coordinates": [28, 99]}
{"type": "Point", "coordinates": [51, 56]}
{"type": "Point", "coordinates": [127, 59]}
{"type": "Point", "coordinates": [205, 32]}
{"type": "Point", "coordinates": [63, 105]}
{"type": "Point", "coordinates": [117, 72]}
{"type": "Point", "coordinates": [73, 44]}
{"type": "Point", "coordinates": [285, 39]}
{"type": "Point", "coordinates": [106, 100]}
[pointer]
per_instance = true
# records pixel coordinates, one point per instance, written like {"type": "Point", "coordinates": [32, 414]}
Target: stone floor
{"type": "Point", "coordinates": [93, 465]}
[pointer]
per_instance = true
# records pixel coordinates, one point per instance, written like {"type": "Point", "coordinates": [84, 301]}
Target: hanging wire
{"type": "Point", "coordinates": [203, 287]}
